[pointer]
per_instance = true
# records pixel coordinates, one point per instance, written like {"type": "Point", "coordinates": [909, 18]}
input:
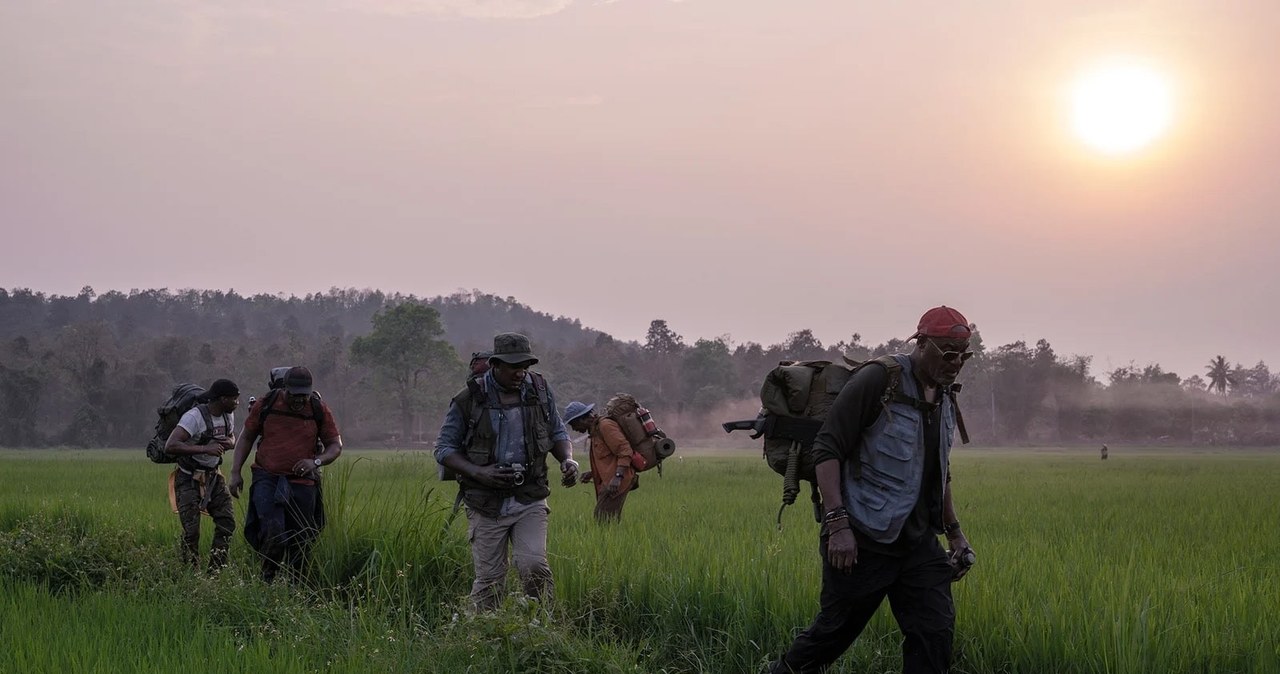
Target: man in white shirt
{"type": "Point", "coordinates": [203, 433]}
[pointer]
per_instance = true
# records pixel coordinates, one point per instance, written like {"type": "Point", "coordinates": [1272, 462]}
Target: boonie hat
{"type": "Point", "coordinates": [512, 348]}
{"type": "Point", "coordinates": [575, 410]}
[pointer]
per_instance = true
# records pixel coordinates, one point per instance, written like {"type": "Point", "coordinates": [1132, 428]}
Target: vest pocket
{"type": "Point", "coordinates": [871, 511]}
{"type": "Point", "coordinates": [877, 476]}
{"type": "Point", "coordinates": [871, 499]}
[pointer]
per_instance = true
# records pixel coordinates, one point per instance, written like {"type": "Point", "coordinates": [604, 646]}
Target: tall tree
{"type": "Point", "coordinates": [1220, 376]}
{"type": "Point", "coordinates": [709, 374]}
{"type": "Point", "coordinates": [408, 354]}
{"type": "Point", "coordinates": [661, 339]}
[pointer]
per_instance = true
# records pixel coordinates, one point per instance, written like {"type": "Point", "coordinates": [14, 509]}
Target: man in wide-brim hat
{"type": "Point", "coordinates": [610, 453]}
{"type": "Point", "coordinates": [496, 438]}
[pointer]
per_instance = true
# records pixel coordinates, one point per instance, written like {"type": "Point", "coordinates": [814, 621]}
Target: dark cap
{"type": "Point", "coordinates": [298, 381]}
{"type": "Point", "coordinates": [512, 348]}
{"type": "Point", "coordinates": [223, 388]}
{"type": "Point", "coordinates": [944, 323]}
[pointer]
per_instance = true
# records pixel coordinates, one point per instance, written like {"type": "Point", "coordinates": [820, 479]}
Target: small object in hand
{"type": "Point", "coordinates": [961, 560]}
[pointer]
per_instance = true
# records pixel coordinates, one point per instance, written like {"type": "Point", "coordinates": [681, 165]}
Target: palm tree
{"type": "Point", "coordinates": [1220, 376]}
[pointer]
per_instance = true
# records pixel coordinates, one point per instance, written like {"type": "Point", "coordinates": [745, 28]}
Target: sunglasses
{"type": "Point", "coordinates": [951, 356]}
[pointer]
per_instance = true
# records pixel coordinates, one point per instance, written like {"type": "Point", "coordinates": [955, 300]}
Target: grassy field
{"type": "Point", "coordinates": [1153, 561]}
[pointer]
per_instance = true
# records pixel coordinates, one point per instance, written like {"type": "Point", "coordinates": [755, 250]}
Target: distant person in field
{"type": "Point", "coordinates": [496, 438]}
{"type": "Point", "coordinates": [883, 470]}
{"type": "Point", "coordinates": [1104, 452]}
{"type": "Point", "coordinates": [610, 454]}
{"type": "Point", "coordinates": [296, 436]}
{"type": "Point", "coordinates": [198, 441]}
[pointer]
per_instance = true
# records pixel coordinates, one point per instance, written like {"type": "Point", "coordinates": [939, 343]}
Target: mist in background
{"type": "Point", "coordinates": [742, 169]}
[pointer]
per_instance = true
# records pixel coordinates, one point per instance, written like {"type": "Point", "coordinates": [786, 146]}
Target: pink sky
{"type": "Point", "coordinates": [739, 167]}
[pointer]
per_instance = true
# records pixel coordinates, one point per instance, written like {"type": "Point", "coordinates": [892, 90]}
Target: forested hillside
{"type": "Point", "coordinates": [88, 370]}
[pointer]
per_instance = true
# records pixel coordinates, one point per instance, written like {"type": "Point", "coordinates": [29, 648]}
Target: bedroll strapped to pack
{"type": "Point", "coordinates": [651, 445]}
{"type": "Point", "coordinates": [182, 398]}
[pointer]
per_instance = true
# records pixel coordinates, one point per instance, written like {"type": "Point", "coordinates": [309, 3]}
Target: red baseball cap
{"type": "Point", "coordinates": [943, 322]}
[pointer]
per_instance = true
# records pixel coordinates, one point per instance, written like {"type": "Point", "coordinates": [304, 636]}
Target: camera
{"type": "Point", "coordinates": [518, 478]}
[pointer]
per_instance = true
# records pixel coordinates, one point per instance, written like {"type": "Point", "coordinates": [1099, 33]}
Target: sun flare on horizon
{"type": "Point", "coordinates": [1121, 109]}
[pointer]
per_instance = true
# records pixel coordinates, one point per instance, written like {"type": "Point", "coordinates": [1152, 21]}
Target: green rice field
{"type": "Point", "coordinates": [1157, 560]}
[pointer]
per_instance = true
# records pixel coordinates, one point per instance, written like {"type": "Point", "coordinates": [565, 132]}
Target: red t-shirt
{"type": "Point", "coordinates": [288, 439]}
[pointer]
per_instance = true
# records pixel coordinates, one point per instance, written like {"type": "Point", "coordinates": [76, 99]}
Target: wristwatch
{"type": "Point", "coordinates": [319, 463]}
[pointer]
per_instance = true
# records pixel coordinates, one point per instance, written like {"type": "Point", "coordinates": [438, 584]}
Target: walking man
{"type": "Point", "coordinates": [882, 462]}
{"type": "Point", "coordinates": [298, 437]}
{"type": "Point", "coordinates": [496, 437]}
{"type": "Point", "coordinates": [611, 471]}
{"type": "Point", "coordinates": [198, 441]}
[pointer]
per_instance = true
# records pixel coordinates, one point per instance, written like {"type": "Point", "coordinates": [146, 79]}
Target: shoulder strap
{"type": "Point", "coordinates": [267, 403]}
{"type": "Point", "coordinates": [268, 408]}
{"type": "Point", "coordinates": [470, 399]}
{"type": "Point", "coordinates": [955, 405]}
{"type": "Point", "coordinates": [540, 388]}
{"type": "Point", "coordinates": [317, 412]}
{"type": "Point", "coordinates": [208, 423]}
{"type": "Point", "coordinates": [893, 392]}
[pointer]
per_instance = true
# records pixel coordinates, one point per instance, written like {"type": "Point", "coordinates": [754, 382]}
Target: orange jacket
{"type": "Point", "coordinates": [610, 454]}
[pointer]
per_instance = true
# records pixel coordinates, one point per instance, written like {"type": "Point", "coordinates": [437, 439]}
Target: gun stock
{"type": "Point", "coordinates": [757, 426]}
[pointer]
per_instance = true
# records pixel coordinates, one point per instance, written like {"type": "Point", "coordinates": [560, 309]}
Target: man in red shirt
{"type": "Point", "coordinates": [298, 435]}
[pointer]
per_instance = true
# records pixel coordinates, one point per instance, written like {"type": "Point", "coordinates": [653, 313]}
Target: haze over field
{"type": "Point", "coordinates": [734, 166]}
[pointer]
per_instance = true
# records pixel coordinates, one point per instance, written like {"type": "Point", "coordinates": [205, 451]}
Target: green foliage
{"type": "Point", "coordinates": [408, 355]}
{"type": "Point", "coordinates": [1148, 562]}
{"type": "Point", "coordinates": [709, 366]}
{"type": "Point", "coordinates": [88, 370]}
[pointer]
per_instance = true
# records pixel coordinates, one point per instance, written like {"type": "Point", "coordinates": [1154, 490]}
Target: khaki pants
{"type": "Point", "coordinates": [526, 535]}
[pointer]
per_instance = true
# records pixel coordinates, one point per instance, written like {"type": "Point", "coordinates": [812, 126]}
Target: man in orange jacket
{"type": "Point", "coordinates": [611, 470]}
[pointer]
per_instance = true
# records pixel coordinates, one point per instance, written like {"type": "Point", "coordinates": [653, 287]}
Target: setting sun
{"type": "Point", "coordinates": [1120, 109]}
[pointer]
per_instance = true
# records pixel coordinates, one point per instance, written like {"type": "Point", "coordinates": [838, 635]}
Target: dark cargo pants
{"type": "Point", "coordinates": [216, 501]}
{"type": "Point", "coordinates": [919, 590]}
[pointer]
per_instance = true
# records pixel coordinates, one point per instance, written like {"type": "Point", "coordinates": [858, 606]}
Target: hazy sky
{"type": "Point", "coordinates": [739, 167]}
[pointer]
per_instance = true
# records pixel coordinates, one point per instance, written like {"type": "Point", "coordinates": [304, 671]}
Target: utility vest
{"type": "Point", "coordinates": [481, 440]}
{"type": "Point", "coordinates": [882, 486]}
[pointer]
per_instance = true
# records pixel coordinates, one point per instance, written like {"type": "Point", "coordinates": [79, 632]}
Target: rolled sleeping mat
{"type": "Point", "coordinates": [664, 447]}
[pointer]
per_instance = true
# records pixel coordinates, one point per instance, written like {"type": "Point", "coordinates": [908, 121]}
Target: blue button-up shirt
{"type": "Point", "coordinates": [510, 427]}
{"type": "Point", "coordinates": [510, 446]}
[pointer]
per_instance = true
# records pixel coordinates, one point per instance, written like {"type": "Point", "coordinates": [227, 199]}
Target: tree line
{"type": "Point", "coordinates": [89, 370]}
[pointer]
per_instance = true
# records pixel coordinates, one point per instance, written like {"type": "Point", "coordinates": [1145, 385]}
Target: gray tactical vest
{"type": "Point", "coordinates": [882, 487]}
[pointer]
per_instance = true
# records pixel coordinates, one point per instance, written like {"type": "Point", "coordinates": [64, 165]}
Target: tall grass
{"type": "Point", "coordinates": [1144, 563]}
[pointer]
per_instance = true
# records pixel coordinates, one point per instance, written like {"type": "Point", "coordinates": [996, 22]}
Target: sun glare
{"type": "Point", "coordinates": [1121, 109]}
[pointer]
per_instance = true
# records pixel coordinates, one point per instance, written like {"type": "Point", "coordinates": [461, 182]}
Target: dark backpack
{"type": "Point", "coordinates": [795, 398]}
{"type": "Point", "coordinates": [642, 433]}
{"type": "Point", "coordinates": [182, 398]}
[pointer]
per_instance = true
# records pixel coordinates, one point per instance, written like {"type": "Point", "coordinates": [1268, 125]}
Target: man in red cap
{"type": "Point", "coordinates": [882, 461]}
